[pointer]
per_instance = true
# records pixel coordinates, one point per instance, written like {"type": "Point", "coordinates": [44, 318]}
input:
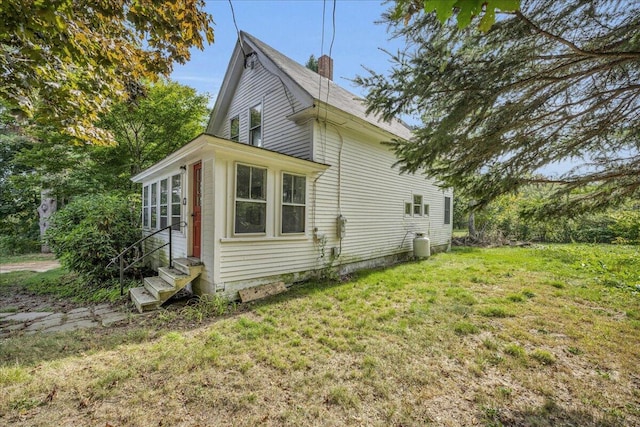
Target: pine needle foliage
{"type": "Point", "coordinates": [553, 82]}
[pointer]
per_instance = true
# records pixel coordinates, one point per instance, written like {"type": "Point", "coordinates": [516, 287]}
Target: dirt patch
{"type": "Point", "coordinates": [37, 266]}
{"type": "Point", "coordinates": [21, 301]}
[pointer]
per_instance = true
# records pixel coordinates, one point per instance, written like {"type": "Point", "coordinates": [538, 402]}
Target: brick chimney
{"type": "Point", "coordinates": [325, 67]}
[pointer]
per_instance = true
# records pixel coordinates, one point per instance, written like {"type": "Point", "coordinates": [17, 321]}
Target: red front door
{"type": "Point", "coordinates": [197, 205]}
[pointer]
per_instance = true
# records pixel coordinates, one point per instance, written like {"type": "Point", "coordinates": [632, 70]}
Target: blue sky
{"type": "Point", "coordinates": [294, 27]}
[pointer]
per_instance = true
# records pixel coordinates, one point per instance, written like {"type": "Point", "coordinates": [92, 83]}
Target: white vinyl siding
{"type": "Point", "coordinates": [371, 194]}
{"type": "Point", "coordinates": [278, 132]}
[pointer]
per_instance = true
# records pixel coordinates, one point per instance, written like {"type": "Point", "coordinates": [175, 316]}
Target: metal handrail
{"type": "Point", "coordinates": [120, 257]}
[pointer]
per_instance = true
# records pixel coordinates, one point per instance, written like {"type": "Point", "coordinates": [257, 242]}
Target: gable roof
{"type": "Point", "coordinates": [315, 89]}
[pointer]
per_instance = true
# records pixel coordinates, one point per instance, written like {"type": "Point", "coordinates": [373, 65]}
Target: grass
{"type": "Point", "coordinates": [476, 335]}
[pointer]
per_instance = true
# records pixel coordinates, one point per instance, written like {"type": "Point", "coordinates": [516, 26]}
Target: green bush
{"type": "Point", "coordinates": [510, 216]}
{"type": "Point", "coordinates": [91, 230]}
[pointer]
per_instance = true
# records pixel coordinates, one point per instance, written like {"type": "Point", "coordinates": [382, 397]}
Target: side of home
{"type": "Point", "coordinates": [296, 181]}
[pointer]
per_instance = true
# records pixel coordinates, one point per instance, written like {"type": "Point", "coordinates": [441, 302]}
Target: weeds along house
{"type": "Point", "coordinates": [290, 179]}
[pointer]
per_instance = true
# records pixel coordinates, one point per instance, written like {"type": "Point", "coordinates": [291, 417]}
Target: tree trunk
{"type": "Point", "coordinates": [472, 219]}
{"type": "Point", "coordinates": [48, 205]}
{"type": "Point", "coordinates": [472, 224]}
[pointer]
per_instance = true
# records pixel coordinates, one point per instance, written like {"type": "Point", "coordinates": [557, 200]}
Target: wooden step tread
{"type": "Point", "coordinates": [188, 261]}
{"type": "Point", "coordinates": [159, 284]}
{"type": "Point", "coordinates": [143, 299]}
{"type": "Point", "coordinates": [173, 272]}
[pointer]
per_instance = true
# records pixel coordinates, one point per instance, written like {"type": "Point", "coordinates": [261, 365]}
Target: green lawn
{"type": "Point", "coordinates": [543, 336]}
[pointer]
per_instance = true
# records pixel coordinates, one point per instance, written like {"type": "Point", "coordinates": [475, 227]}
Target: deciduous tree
{"type": "Point", "coordinates": [69, 60]}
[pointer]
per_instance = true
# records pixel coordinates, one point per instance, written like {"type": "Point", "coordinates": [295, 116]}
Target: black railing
{"type": "Point", "coordinates": [119, 259]}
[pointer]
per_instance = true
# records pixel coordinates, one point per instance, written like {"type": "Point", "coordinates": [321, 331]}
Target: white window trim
{"type": "Point", "coordinates": [282, 203]}
{"type": "Point", "coordinates": [237, 116]}
{"type": "Point", "coordinates": [414, 204]}
{"type": "Point", "coordinates": [261, 104]}
{"type": "Point", "coordinates": [156, 226]}
{"type": "Point", "coordinates": [166, 204]}
{"type": "Point", "coordinates": [447, 218]}
{"type": "Point", "coordinates": [235, 200]}
{"type": "Point", "coordinates": [146, 209]}
{"type": "Point", "coordinates": [181, 230]}
{"type": "Point", "coordinates": [404, 209]}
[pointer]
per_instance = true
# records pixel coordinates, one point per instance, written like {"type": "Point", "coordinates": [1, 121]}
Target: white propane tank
{"type": "Point", "coordinates": [421, 246]}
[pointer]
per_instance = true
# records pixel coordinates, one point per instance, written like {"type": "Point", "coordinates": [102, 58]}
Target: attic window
{"type": "Point", "coordinates": [255, 125]}
{"type": "Point", "coordinates": [234, 128]}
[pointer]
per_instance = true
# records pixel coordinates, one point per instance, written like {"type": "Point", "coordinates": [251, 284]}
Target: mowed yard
{"type": "Point", "coordinates": [539, 336]}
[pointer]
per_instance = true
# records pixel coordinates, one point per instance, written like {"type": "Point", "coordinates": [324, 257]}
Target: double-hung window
{"type": "Point", "coordinates": [255, 125]}
{"type": "Point", "coordinates": [293, 203]}
{"type": "Point", "coordinates": [145, 206]}
{"type": "Point", "coordinates": [417, 205]}
{"type": "Point", "coordinates": [176, 205]}
{"type": "Point", "coordinates": [447, 210]}
{"type": "Point", "coordinates": [154, 205]}
{"type": "Point", "coordinates": [251, 199]}
{"type": "Point", "coordinates": [234, 128]}
{"type": "Point", "coordinates": [164, 203]}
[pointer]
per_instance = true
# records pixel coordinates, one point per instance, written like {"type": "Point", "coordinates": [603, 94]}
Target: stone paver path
{"type": "Point", "coordinates": [49, 321]}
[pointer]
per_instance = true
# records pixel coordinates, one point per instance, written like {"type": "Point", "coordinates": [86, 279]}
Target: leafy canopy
{"type": "Point", "coordinates": [166, 118]}
{"type": "Point", "coordinates": [553, 82]}
{"type": "Point", "coordinates": [464, 10]}
{"type": "Point", "coordinates": [64, 62]}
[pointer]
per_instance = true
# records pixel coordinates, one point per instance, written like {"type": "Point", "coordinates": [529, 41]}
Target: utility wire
{"type": "Point", "coordinates": [233, 15]}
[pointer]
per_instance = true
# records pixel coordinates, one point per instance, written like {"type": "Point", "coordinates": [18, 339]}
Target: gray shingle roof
{"type": "Point", "coordinates": [324, 90]}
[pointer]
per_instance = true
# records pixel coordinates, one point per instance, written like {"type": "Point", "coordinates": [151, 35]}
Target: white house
{"type": "Point", "coordinates": [290, 179]}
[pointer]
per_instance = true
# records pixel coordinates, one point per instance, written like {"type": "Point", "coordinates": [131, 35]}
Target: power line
{"type": "Point", "coordinates": [233, 15]}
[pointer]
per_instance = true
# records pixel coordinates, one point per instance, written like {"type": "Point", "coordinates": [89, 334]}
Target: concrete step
{"type": "Point", "coordinates": [143, 300]}
{"type": "Point", "coordinates": [159, 288]}
{"type": "Point", "coordinates": [189, 265]}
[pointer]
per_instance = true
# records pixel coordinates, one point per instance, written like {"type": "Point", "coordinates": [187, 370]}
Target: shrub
{"type": "Point", "coordinates": [91, 230]}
